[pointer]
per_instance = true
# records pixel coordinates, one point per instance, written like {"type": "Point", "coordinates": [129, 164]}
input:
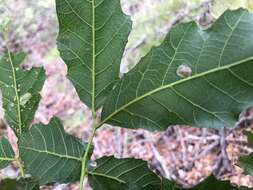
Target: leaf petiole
{"type": "Point", "coordinates": [84, 171]}
{"type": "Point", "coordinates": [20, 166]}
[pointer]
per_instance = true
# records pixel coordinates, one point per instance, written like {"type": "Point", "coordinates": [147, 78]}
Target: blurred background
{"type": "Point", "coordinates": [32, 28]}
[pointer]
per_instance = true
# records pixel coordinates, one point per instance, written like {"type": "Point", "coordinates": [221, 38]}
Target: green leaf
{"type": "Point", "coordinates": [122, 174]}
{"type": "Point", "coordinates": [15, 84]}
{"type": "Point", "coordinates": [50, 154]}
{"type": "Point", "coordinates": [130, 174]}
{"type": "Point", "coordinates": [91, 41]}
{"type": "Point", "coordinates": [21, 184]}
{"type": "Point", "coordinates": [246, 162]}
{"type": "Point", "coordinates": [6, 153]}
{"type": "Point", "coordinates": [213, 184]}
{"type": "Point", "coordinates": [217, 64]}
{"type": "Point", "coordinates": [249, 137]}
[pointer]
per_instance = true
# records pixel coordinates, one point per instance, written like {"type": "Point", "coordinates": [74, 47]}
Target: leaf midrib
{"type": "Point", "coordinates": [172, 85]}
{"type": "Point", "coordinates": [52, 153]}
{"type": "Point", "coordinates": [93, 58]}
{"type": "Point", "coordinates": [7, 159]}
{"type": "Point", "coordinates": [16, 92]}
{"type": "Point", "coordinates": [107, 176]}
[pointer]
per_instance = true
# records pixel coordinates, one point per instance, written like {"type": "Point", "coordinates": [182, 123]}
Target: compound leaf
{"type": "Point", "coordinates": [51, 155]}
{"type": "Point", "coordinates": [196, 77]}
{"type": "Point", "coordinates": [15, 85]}
{"type": "Point", "coordinates": [91, 41]}
{"type": "Point", "coordinates": [6, 153]}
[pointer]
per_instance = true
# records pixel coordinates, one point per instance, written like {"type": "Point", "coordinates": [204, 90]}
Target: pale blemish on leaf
{"type": "Point", "coordinates": [184, 71]}
{"type": "Point", "coordinates": [25, 98]}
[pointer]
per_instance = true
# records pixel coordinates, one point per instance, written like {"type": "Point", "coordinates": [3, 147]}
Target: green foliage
{"type": "Point", "coordinates": [249, 136]}
{"type": "Point", "coordinates": [93, 59]}
{"type": "Point", "coordinates": [246, 162]}
{"type": "Point", "coordinates": [209, 183]}
{"type": "Point", "coordinates": [154, 94]}
{"type": "Point", "coordinates": [131, 174]}
{"type": "Point", "coordinates": [6, 153]}
{"type": "Point", "coordinates": [20, 91]}
{"type": "Point", "coordinates": [214, 184]}
{"type": "Point", "coordinates": [21, 184]}
{"type": "Point", "coordinates": [195, 77]}
{"type": "Point", "coordinates": [51, 155]}
{"type": "Point", "coordinates": [114, 174]}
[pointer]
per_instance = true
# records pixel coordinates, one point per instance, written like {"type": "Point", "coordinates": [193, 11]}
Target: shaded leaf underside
{"type": "Point", "coordinates": [246, 162]}
{"type": "Point", "coordinates": [6, 153]}
{"type": "Point", "coordinates": [91, 41]}
{"type": "Point", "coordinates": [21, 184]}
{"type": "Point", "coordinates": [154, 96]}
{"type": "Point", "coordinates": [211, 183]}
{"type": "Point", "coordinates": [122, 174]}
{"type": "Point", "coordinates": [51, 155]}
{"type": "Point", "coordinates": [131, 174]}
{"type": "Point", "coordinates": [16, 83]}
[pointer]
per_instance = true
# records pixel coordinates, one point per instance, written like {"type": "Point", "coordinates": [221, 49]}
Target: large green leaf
{"type": "Point", "coordinates": [20, 91]}
{"type": "Point", "coordinates": [91, 41]}
{"type": "Point", "coordinates": [21, 184]}
{"type": "Point", "coordinates": [219, 61]}
{"type": "Point", "coordinates": [6, 153]}
{"type": "Point", "coordinates": [51, 155]}
{"type": "Point", "coordinates": [122, 174]}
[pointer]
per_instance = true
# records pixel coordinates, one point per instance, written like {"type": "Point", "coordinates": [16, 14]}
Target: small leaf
{"type": "Point", "coordinates": [211, 183]}
{"type": "Point", "coordinates": [211, 90]}
{"type": "Point", "coordinates": [21, 184]}
{"type": "Point", "coordinates": [16, 83]}
{"type": "Point", "coordinates": [249, 137]}
{"type": "Point", "coordinates": [6, 153]}
{"type": "Point", "coordinates": [91, 41]}
{"type": "Point", "coordinates": [246, 162]}
{"type": "Point", "coordinates": [50, 154]}
{"type": "Point", "coordinates": [123, 174]}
